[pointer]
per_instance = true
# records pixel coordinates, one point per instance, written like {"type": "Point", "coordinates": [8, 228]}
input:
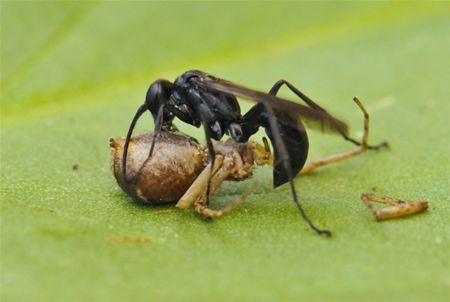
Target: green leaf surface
{"type": "Point", "coordinates": [72, 76]}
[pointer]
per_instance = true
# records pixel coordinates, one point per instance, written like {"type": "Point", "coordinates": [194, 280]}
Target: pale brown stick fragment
{"type": "Point", "coordinates": [129, 239]}
{"type": "Point", "coordinates": [163, 212]}
{"type": "Point", "coordinates": [397, 207]}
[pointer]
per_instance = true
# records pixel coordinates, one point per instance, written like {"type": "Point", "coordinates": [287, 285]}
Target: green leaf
{"type": "Point", "coordinates": [73, 74]}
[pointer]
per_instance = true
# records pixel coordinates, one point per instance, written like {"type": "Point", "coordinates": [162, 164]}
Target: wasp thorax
{"type": "Point", "coordinates": [176, 162]}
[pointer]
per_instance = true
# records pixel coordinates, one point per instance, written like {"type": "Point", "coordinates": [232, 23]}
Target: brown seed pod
{"type": "Point", "coordinates": [176, 162]}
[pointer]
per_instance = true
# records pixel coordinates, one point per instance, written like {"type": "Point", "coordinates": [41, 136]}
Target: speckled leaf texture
{"type": "Point", "coordinates": [73, 75]}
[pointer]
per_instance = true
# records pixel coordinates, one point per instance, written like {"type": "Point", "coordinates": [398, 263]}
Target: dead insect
{"type": "Point", "coordinates": [396, 207]}
{"type": "Point", "coordinates": [198, 98]}
{"type": "Point", "coordinates": [180, 169]}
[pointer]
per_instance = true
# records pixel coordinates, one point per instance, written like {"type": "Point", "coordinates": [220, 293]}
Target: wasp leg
{"type": "Point", "coordinates": [397, 207]}
{"type": "Point", "coordinates": [276, 87]}
{"type": "Point", "coordinates": [363, 147]}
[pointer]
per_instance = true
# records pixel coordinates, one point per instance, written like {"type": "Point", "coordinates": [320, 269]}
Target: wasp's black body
{"type": "Point", "coordinates": [200, 99]}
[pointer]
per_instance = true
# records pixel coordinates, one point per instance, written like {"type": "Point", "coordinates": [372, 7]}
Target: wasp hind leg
{"type": "Point", "coordinates": [276, 87]}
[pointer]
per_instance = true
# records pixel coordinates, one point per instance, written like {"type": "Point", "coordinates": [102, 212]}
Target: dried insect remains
{"type": "Point", "coordinates": [395, 207]}
{"type": "Point", "coordinates": [180, 169]}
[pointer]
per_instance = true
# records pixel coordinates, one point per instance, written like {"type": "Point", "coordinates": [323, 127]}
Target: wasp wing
{"type": "Point", "coordinates": [317, 117]}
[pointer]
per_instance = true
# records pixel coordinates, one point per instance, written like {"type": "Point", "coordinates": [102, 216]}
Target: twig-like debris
{"type": "Point", "coordinates": [396, 207]}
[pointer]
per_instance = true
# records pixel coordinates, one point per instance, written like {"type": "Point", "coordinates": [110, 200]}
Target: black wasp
{"type": "Point", "coordinates": [200, 99]}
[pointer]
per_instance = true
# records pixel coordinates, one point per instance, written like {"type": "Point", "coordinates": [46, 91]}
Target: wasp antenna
{"type": "Point", "coordinates": [136, 117]}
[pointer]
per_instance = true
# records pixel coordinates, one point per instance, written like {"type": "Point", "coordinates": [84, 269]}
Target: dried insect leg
{"type": "Point", "coordinates": [198, 186]}
{"type": "Point", "coordinates": [234, 161]}
{"type": "Point", "coordinates": [196, 194]}
{"type": "Point", "coordinates": [237, 165]}
{"type": "Point", "coordinates": [311, 166]}
{"type": "Point", "coordinates": [201, 207]}
{"type": "Point", "coordinates": [397, 207]}
{"type": "Point", "coordinates": [225, 172]}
